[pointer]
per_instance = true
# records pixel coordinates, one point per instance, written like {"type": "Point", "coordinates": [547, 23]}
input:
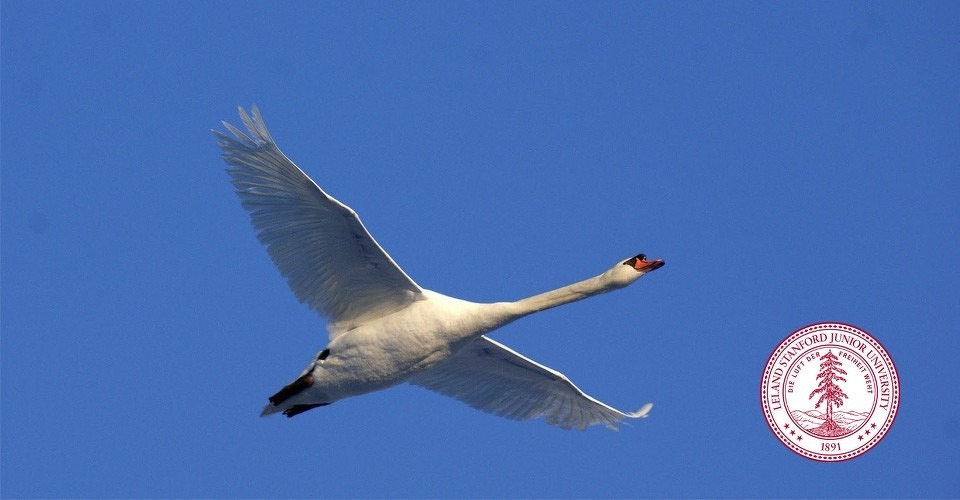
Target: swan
{"type": "Point", "coordinates": [384, 329]}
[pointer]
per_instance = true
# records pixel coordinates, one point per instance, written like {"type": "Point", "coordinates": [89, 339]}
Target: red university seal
{"type": "Point", "coordinates": [830, 392]}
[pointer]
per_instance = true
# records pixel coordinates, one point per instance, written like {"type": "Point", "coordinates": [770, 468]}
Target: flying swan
{"type": "Point", "coordinates": [384, 328]}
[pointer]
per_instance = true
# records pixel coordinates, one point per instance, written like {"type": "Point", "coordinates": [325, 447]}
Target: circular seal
{"type": "Point", "coordinates": [830, 392]}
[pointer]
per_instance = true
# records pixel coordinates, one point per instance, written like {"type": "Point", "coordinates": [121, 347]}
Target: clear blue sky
{"type": "Point", "coordinates": [791, 163]}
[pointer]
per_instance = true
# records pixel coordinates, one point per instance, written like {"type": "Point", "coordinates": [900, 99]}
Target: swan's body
{"type": "Point", "coordinates": [384, 328]}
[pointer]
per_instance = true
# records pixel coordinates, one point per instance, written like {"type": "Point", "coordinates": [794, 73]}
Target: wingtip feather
{"type": "Point", "coordinates": [643, 412]}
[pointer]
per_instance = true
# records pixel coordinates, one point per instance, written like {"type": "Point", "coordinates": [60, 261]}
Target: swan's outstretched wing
{"type": "Point", "coordinates": [491, 377]}
{"type": "Point", "coordinates": [330, 260]}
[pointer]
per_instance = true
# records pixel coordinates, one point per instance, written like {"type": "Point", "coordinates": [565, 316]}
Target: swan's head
{"type": "Point", "coordinates": [631, 270]}
{"type": "Point", "coordinates": [641, 265]}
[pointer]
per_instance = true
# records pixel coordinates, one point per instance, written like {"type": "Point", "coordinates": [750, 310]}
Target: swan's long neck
{"type": "Point", "coordinates": [565, 295]}
{"type": "Point", "coordinates": [616, 277]}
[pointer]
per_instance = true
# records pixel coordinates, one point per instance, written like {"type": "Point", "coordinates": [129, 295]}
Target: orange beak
{"type": "Point", "coordinates": [641, 264]}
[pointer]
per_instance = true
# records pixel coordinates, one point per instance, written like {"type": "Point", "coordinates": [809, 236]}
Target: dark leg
{"type": "Point", "coordinates": [292, 389]}
{"type": "Point", "coordinates": [298, 409]}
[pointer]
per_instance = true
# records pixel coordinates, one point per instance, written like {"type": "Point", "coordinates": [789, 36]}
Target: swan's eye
{"type": "Point", "coordinates": [633, 261]}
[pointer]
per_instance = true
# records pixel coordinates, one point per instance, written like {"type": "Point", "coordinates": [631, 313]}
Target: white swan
{"type": "Point", "coordinates": [384, 329]}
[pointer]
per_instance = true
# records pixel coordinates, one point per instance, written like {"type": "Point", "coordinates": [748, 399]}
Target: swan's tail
{"type": "Point", "coordinates": [270, 409]}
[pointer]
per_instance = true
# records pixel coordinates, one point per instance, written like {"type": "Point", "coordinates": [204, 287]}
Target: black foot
{"type": "Point", "coordinates": [292, 389]}
{"type": "Point", "coordinates": [298, 409]}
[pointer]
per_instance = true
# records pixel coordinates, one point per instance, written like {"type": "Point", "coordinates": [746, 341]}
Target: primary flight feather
{"type": "Point", "coordinates": [384, 328]}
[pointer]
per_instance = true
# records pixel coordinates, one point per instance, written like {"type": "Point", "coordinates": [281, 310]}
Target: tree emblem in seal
{"type": "Point", "coordinates": [830, 392]}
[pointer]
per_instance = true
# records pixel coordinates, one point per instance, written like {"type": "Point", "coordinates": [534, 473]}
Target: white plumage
{"type": "Point", "coordinates": [384, 328]}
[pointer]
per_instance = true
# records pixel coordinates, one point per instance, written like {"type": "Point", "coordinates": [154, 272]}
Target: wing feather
{"type": "Point", "coordinates": [496, 379]}
{"type": "Point", "coordinates": [328, 257]}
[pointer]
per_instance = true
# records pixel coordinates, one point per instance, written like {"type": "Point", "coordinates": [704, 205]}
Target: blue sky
{"type": "Point", "coordinates": [791, 163]}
